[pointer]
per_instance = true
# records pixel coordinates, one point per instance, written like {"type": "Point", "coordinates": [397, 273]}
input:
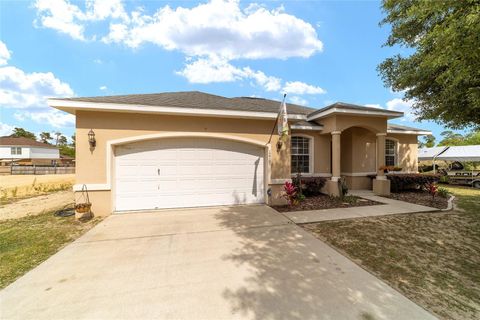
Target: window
{"type": "Point", "coordinates": [390, 153]}
{"type": "Point", "coordinates": [300, 155]}
{"type": "Point", "coordinates": [15, 150]}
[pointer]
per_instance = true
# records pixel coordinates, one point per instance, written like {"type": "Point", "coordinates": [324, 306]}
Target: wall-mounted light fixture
{"type": "Point", "coordinates": [91, 139]}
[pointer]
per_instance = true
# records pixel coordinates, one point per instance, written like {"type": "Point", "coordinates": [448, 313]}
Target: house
{"type": "Point", "coordinates": [188, 149]}
{"type": "Point", "coordinates": [25, 151]}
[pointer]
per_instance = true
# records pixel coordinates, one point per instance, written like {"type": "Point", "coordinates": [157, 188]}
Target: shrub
{"type": "Point", "coordinates": [432, 189]}
{"type": "Point", "coordinates": [444, 179]}
{"type": "Point", "coordinates": [309, 186]}
{"type": "Point", "coordinates": [414, 181]}
{"type": "Point", "coordinates": [343, 187]}
{"type": "Point", "coordinates": [291, 194]}
{"type": "Point", "coordinates": [442, 192]}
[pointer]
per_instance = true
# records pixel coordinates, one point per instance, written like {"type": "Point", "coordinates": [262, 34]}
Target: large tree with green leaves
{"type": "Point", "coordinates": [427, 142]}
{"type": "Point", "coordinates": [20, 132]}
{"type": "Point", "coordinates": [441, 72]}
{"type": "Point", "coordinates": [45, 137]}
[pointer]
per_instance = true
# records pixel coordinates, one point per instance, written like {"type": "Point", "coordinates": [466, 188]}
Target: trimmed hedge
{"type": "Point", "coordinates": [411, 181]}
{"type": "Point", "coordinates": [309, 186]}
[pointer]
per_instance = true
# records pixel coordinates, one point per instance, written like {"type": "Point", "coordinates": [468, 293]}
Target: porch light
{"type": "Point", "coordinates": [91, 139]}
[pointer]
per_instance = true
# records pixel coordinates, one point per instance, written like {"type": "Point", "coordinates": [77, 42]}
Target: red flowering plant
{"type": "Point", "coordinates": [291, 194]}
{"type": "Point", "coordinates": [432, 189]}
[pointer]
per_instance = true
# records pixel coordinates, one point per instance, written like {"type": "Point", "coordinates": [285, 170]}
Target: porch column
{"type": "Point", "coordinates": [380, 155]}
{"type": "Point", "coordinates": [336, 155]}
{"type": "Point", "coordinates": [381, 185]}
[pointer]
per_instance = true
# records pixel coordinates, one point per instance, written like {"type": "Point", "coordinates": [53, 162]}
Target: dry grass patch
{"type": "Point", "coordinates": [432, 258]}
{"type": "Point", "coordinates": [17, 187]}
{"type": "Point", "coordinates": [26, 242]}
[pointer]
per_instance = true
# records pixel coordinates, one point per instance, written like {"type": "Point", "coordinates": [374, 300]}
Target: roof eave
{"type": "Point", "coordinates": [418, 133]}
{"type": "Point", "coordinates": [343, 111]}
{"type": "Point", "coordinates": [73, 106]}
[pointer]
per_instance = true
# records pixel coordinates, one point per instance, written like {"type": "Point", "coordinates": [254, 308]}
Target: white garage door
{"type": "Point", "coordinates": [187, 172]}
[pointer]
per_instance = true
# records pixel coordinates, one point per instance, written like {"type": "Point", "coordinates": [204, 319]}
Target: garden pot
{"type": "Point", "coordinates": [83, 211]}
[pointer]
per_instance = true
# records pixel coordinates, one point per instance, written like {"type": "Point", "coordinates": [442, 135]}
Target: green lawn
{"type": "Point", "coordinates": [28, 241]}
{"type": "Point", "coordinates": [432, 258]}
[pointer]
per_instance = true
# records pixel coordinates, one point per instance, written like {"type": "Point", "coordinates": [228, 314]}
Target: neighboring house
{"type": "Point", "coordinates": [189, 149]}
{"type": "Point", "coordinates": [24, 151]}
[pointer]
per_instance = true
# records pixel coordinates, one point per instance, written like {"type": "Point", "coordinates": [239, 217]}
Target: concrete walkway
{"type": "Point", "coordinates": [244, 262]}
{"type": "Point", "coordinates": [389, 206]}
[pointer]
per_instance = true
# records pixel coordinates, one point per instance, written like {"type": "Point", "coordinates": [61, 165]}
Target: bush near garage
{"type": "Point", "coordinates": [414, 181]}
{"type": "Point", "coordinates": [309, 186]}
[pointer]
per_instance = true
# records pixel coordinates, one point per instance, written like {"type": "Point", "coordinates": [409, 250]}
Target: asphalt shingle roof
{"type": "Point", "coordinates": [22, 141]}
{"type": "Point", "coordinates": [196, 99]}
{"type": "Point", "coordinates": [403, 128]}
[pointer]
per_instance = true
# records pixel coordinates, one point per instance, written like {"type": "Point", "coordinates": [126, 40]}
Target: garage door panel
{"type": "Point", "coordinates": [170, 173]}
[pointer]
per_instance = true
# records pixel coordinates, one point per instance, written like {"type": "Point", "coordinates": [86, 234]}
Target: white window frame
{"type": "Point", "coordinates": [310, 153]}
{"type": "Point", "coordinates": [15, 151]}
{"type": "Point", "coordinates": [395, 151]}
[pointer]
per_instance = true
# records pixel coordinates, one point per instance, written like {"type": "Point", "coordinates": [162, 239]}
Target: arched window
{"type": "Point", "coordinates": [301, 151]}
{"type": "Point", "coordinates": [390, 152]}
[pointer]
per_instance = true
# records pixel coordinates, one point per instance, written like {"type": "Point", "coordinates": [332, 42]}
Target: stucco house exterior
{"type": "Point", "coordinates": [187, 149]}
{"type": "Point", "coordinates": [21, 150]}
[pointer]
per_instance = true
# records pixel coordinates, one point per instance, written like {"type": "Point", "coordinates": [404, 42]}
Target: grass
{"type": "Point", "coordinates": [35, 189]}
{"type": "Point", "coordinates": [26, 242]}
{"type": "Point", "coordinates": [432, 258]}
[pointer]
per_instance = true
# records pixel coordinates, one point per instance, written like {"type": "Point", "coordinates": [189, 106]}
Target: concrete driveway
{"type": "Point", "coordinates": [246, 262]}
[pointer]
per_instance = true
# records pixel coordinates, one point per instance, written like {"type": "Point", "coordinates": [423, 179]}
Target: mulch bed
{"type": "Point", "coordinates": [420, 197]}
{"type": "Point", "coordinates": [326, 202]}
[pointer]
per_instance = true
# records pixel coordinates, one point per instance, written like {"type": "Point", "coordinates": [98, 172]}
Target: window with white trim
{"type": "Point", "coordinates": [15, 150]}
{"type": "Point", "coordinates": [390, 152]}
{"type": "Point", "coordinates": [300, 154]}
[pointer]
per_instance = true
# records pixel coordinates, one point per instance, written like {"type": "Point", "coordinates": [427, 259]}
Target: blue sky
{"type": "Point", "coordinates": [318, 52]}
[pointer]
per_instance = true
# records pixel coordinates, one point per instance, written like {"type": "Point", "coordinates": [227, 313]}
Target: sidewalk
{"type": "Point", "coordinates": [388, 207]}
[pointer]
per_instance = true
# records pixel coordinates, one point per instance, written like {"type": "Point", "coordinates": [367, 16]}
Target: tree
{"type": "Point", "coordinates": [20, 132]}
{"type": "Point", "coordinates": [66, 150]}
{"type": "Point", "coordinates": [45, 137]}
{"type": "Point", "coordinates": [74, 136]}
{"type": "Point", "coordinates": [428, 142]}
{"type": "Point", "coordinates": [451, 138]}
{"type": "Point", "coordinates": [57, 137]}
{"type": "Point", "coordinates": [442, 75]}
{"type": "Point", "coordinates": [62, 140]}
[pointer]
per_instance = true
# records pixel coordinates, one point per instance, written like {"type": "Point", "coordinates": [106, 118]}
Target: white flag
{"type": "Point", "coordinates": [282, 124]}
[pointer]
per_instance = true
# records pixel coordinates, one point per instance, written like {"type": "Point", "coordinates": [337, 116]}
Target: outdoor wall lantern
{"type": "Point", "coordinates": [91, 139]}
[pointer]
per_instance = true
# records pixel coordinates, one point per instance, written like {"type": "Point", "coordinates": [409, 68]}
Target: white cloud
{"type": "Point", "coordinates": [29, 90]}
{"type": "Point", "coordinates": [404, 106]}
{"type": "Point", "coordinates": [298, 100]}
{"type": "Point", "coordinates": [55, 118]}
{"type": "Point", "coordinates": [27, 93]}
{"type": "Point", "coordinates": [103, 88]}
{"type": "Point", "coordinates": [373, 105]}
{"type": "Point", "coordinates": [4, 54]}
{"type": "Point", "coordinates": [218, 27]}
{"type": "Point", "coordinates": [68, 18]}
{"type": "Point", "coordinates": [5, 129]}
{"type": "Point", "coordinates": [214, 69]}
{"type": "Point", "coordinates": [98, 61]}
{"type": "Point", "coordinates": [297, 87]}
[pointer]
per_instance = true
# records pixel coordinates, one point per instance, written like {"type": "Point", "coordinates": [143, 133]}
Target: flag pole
{"type": "Point", "coordinates": [276, 120]}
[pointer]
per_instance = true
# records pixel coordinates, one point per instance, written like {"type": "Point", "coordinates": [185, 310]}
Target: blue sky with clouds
{"type": "Point", "coordinates": [318, 52]}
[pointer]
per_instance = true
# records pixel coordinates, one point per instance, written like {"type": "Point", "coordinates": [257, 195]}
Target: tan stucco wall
{"type": "Point", "coordinates": [358, 138]}
{"type": "Point", "coordinates": [321, 150]}
{"type": "Point", "coordinates": [407, 151]}
{"type": "Point", "coordinates": [343, 122]}
{"type": "Point", "coordinates": [91, 165]}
